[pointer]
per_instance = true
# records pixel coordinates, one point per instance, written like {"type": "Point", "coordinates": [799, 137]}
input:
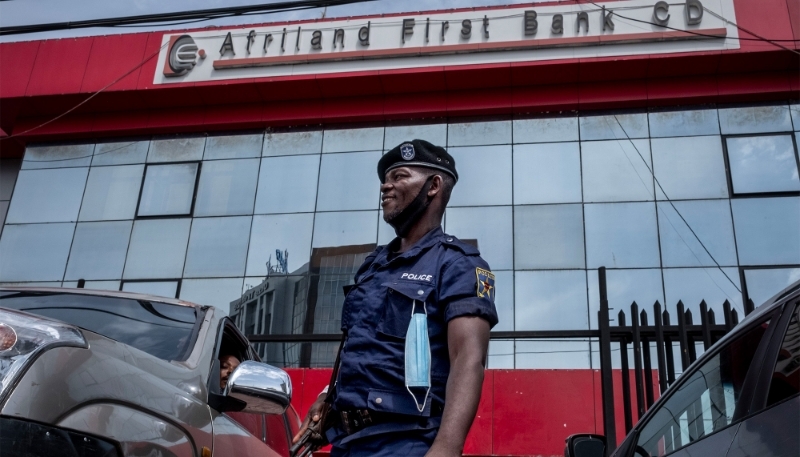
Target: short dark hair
{"type": "Point", "coordinates": [448, 182]}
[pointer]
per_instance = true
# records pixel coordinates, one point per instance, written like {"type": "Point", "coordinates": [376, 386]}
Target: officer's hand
{"type": "Point", "coordinates": [311, 417]}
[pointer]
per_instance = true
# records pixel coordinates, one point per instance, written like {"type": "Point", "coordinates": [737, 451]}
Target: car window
{"type": "Point", "coordinates": [160, 329]}
{"type": "Point", "coordinates": [786, 375]}
{"type": "Point", "coordinates": [705, 402]}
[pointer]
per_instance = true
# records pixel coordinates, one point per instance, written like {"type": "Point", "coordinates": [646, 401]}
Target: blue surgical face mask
{"type": "Point", "coordinates": [418, 355]}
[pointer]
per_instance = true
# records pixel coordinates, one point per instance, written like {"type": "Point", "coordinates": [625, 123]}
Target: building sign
{"type": "Point", "coordinates": [480, 36]}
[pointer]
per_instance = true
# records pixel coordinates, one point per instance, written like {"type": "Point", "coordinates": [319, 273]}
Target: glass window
{"type": "Point", "coordinates": [57, 156]}
{"type": "Point", "coordinates": [504, 300]}
{"type": "Point", "coordinates": [157, 248]}
{"type": "Point", "coordinates": [285, 233]}
{"type": "Point", "coordinates": [755, 119]}
{"type": "Point", "coordinates": [785, 381]}
{"type": "Point", "coordinates": [501, 354]}
{"type": "Point", "coordinates": [692, 285]}
{"type": "Point", "coordinates": [3, 211]}
{"type": "Point", "coordinates": [548, 236]}
{"type": "Point", "coordinates": [287, 184]}
{"type": "Point", "coordinates": [614, 171]}
{"type": "Point", "coordinates": [608, 127]}
{"type": "Point", "coordinates": [546, 130]}
{"type": "Point", "coordinates": [550, 300]}
{"type": "Point", "coordinates": [767, 230]}
{"type": "Point", "coordinates": [547, 173]}
{"type": "Point", "coordinates": [9, 169]}
{"type": "Point", "coordinates": [111, 193]}
{"type": "Point", "coordinates": [168, 189]}
{"type": "Point", "coordinates": [706, 401]}
{"type": "Point", "coordinates": [233, 146]}
{"type": "Point", "coordinates": [763, 164]}
{"type": "Point", "coordinates": [94, 285]}
{"type": "Point", "coordinates": [435, 134]}
{"type": "Point", "coordinates": [484, 176]}
{"type": "Point", "coordinates": [167, 289]}
{"type": "Point", "coordinates": [479, 133]}
{"type": "Point", "coordinates": [120, 153]}
{"type": "Point", "coordinates": [689, 167]}
{"type": "Point", "coordinates": [795, 111]}
{"type": "Point", "coordinates": [621, 235]}
{"type": "Point", "coordinates": [489, 227]}
{"type": "Point", "coordinates": [711, 222]}
{"type": "Point", "coordinates": [764, 283]}
{"type": "Point", "coordinates": [347, 140]}
{"type": "Point", "coordinates": [386, 232]}
{"type": "Point", "coordinates": [349, 181]}
{"type": "Point", "coordinates": [345, 228]}
{"type": "Point", "coordinates": [227, 188]}
{"type": "Point", "coordinates": [293, 143]}
{"type": "Point", "coordinates": [623, 288]}
{"type": "Point", "coordinates": [176, 150]}
{"type": "Point", "coordinates": [552, 354]}
{"type": "Point", "coordinates": [47, 195]}
{"type": "Point", "coordinates": [217, 247]}
{"type": "Point", "coordinates": [684, 123]}
{"type": "Point", "coordinates": [98, 250]}
{"type": "Point", "coordinates": [218, 293]}
{"type": "Point", "coordinates": [36, 252]}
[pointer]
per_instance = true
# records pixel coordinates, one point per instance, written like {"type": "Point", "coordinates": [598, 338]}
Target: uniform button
{"type": "Point", "coordinates": [449, 240]}
{"type": "Point", "coordinates": [420, 292]}
{"type": "Point", "coordinates": [379, 400]}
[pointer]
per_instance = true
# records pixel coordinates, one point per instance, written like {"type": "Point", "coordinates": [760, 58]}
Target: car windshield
{"type": "Point", "coordinates": [160, 329]}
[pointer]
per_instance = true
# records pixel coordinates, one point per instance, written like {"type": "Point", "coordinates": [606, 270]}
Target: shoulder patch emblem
{"type": "Point", "coordinates": [407, 151]}
{"type": "Point", "coordinates": [485, 283]}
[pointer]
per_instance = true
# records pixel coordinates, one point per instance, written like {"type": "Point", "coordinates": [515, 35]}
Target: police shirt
{"type": "Point", "coordinates": [446, 276]}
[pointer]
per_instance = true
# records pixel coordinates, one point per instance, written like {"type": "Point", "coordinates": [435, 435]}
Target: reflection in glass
{"type": "Point", "coordinates": [548, 236]}
{"type": "Point", "coordinates": [614, 127]}
{"type": "Point", "coordinates": [795, 111]}
{"type": "Point", "coordinates": [120, 153]}
{"type": "Point", "coordinates": [434, 134]}
{"type": "Point", "coordinates": [623, 288]}
{"type": "Point", "coordinates": [348, 181]}
{"type": "Point", "coordinates": [287, 184]}
{"type": "Point", "coordinates": [348, 140]}
{"type": "Point", "coordinates": [345, 228]}
{"type": "Point", "coordinates": [755, 119]}
{"type": "Point", "coordinates": [168, 189]}
{"type": "Point", "coordinates": [763, 164]}
{"type": "Point", "coordinates": [94, 285]}
{"type": "Point", "coordinates": [684, 123]}
{"type": "Point", "coordinates": [550, 300]}
{"type": "Point", "coordinates": [36, 252]}
{"type": "Point", "coordinates": [552, 354]}
{"type": "Point", "coordinates": [293, 143]}
{"type": "Point", "coordinates": [47, 195]}
{"type": "Point", "coordinates": [217, 247]}
{"type": "Point", "coordinates": [489, 227]}
{"type": "Point", "coordinates": [621, 235]}
{"type": "Point", "coordinates": [484, 176]}
{"type": "Point", "coordinates": [690, 167]}
{"type": "Point", "coordinates": [233, 146]}
{"type": "Point", "coordinates": [157, 248]}
{"type": "Point", "coordinates": [692, 285]}
{"type": "Point", "coordinates": [479, 133]}
{"type": "Point", "coordinates": [111, 193]}
{"type": "Point", "coordinates": [767, 230]}
{"type": "Point", "coordinates": [614, 171]}
{"type": "Point", "coordinates": [167, 289]}
{"type": "Point", "coordinates": [762, 284]}
{"type": "Point", "coordinates": [289, 234]}
{"type": "Point", "coordinates": [3, 212]}
{"type": "Point", "coordinates": [227, 187]}
{"type": "Point", "coordinates": [711, 222]}
{"type": "Point", "coordinates": [504, 301]}
{"type": "Point", "coordinates": [176, 149]}
{"type": "Point", "coordinates": [57, 156]}
{"type": "Point", "coordinates": [9, 169]}
{"type": "Point", "coordinates": [547, 173]}
{"type": "Point", "coordinates": [501, 354]}
{"type": "Point", "coordinates": [98, 250]}
{"type": "Point", "coordinates": [218, 293]}
{"type": "Point", "coordinates": [546, 130]}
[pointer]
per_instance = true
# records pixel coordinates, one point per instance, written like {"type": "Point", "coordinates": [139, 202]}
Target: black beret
{"type": "Point", "coordinates": [417, 153]}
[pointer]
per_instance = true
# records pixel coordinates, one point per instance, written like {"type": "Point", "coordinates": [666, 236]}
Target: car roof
{"type": "Point", "coordinates": [103, 293]}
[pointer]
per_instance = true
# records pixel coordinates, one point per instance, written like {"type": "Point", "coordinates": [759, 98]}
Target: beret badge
{"type": "Point", "coordinates": [407, 151]}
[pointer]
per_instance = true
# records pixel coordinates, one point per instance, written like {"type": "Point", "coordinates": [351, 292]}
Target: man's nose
{"type": "Point", "coordinates": [385, 187]}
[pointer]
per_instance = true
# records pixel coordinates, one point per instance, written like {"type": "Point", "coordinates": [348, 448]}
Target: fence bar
{"type": "Point", "coordinates": [662, 364]}
{"type": "Point", "coordinates": [692, 350]}
{"type": "Point", "coordinates": [704, 323]}
{"type": "Point", "coordinates": [606, 376]}
{"type": "Point", "coordinates": [648, 365]}
{"type": "Point", "coordinates": [637, 360]}
{"type": "Point", "coordinates": [670, 355]}
{"type": "Point", "coordinates": [712, 321]}
{"type": "Point", "coordinates": [726, 313]}
{"type": "Point", "coordinates": [684, 342]}
{"type": "Point", "coordinates": [626, 376]}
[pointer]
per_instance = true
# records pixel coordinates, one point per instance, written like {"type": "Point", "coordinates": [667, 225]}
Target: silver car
{"type": "Point", "coordinates": [96, 373]}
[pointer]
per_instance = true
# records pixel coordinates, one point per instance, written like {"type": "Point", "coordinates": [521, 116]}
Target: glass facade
{"type": "Point", "coordinates": [270, 226]}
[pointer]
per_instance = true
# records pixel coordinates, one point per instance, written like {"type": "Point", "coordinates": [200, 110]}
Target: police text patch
{"type": "Point", "coordinates": [485, 283]}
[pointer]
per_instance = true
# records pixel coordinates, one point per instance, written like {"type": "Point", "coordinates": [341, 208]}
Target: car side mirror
{"type": "Point", "coordinates": [585, 445]}
{"type": "Point", "coordinates": [262, 388]}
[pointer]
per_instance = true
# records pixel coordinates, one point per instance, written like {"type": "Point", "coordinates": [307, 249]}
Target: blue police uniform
{"type": "Point", "coordinates": [448, 279]}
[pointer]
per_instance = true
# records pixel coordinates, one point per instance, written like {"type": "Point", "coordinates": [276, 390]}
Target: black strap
{"type": "Point", "coordinates": [335, 372]}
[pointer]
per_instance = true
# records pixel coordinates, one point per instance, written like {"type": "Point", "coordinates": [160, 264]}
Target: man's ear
{"type": "Point", "coordinates": [437, 184]}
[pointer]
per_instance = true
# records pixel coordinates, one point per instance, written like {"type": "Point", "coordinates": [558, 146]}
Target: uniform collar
{"type": "Point", "coordinates": [428, 240]}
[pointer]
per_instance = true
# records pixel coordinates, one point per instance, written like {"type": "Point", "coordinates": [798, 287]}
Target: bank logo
{"type": "Point", "coordinates": [182, 57]}
{"type": "Point", "coordinates": [407, 151]}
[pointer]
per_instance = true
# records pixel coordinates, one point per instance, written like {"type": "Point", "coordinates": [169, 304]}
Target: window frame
{"type": "Point", "coordinates": [122, 283]}
{"type": "Point", "coordinates": [729, 174]}
{"type": "Point", "coordinates": [747, 302]}
{"type": "Point", "coordinates": [190, 214]}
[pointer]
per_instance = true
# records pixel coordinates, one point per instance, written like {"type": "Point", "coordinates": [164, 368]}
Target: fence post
{"type": "Point", "coordinates": [684, 343]}
{"type": "Point", "coordinates": [606, 378]}
{"type": "Point", "coordinates": [668, 348]}
{"type": "Point", "coordinates": [705, 325]}
{"type": "Point", "coordinates": [626, 375]}
{"type": "Point", "coordinates": [637, 360]}
{"type": "Point", "coordinates": [648, 365]}
{"type": "Point", "coordinates": [662, 365]}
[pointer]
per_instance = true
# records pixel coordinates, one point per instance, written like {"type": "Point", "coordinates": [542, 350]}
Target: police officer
{"type": "Point", "coordinates": [417, 323]}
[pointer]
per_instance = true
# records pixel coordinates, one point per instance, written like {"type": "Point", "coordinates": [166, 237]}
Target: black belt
{"type": "Point", "coordinates": [355, 420]}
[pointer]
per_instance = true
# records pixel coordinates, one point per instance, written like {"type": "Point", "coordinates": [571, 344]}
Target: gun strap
{"type": "Point", "coordinates": [335, 372]}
